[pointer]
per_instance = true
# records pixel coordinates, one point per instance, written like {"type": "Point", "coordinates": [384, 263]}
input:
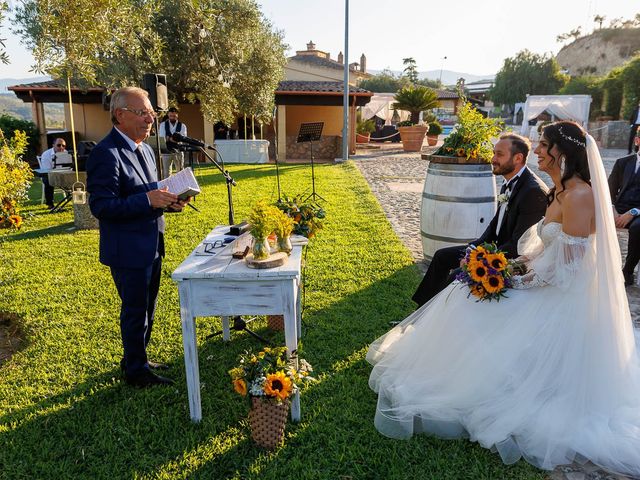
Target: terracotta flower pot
{"type": "Point", "coordinates": [412, 137]}
{"type": "Point", "coordinates": [432, 140]}
{"type": "Point", "coordinates": [363, 138]}
{"type": "Point", "coordinates": [267, 419]}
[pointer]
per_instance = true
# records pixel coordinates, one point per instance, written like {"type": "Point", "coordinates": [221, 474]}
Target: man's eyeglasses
{"type": "Point", "coordinates": [140, 113]}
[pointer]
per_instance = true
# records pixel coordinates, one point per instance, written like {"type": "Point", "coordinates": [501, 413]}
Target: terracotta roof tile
{"type": "Point", "coordinates": [321, 87]}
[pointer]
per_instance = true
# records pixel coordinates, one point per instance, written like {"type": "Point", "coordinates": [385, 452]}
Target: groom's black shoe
{"type": "Point", "coordinates": [152, 365]}
{"type": "Point", "coordinates": [628, 278]}
{"type": "Point", "coordinates": [147, 378]}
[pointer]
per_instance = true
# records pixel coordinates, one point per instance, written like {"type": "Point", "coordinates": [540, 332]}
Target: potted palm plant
{"type": "Point", "coordinates": [414, 100]}
{"type": "Point", "coordinates": [435, 129]}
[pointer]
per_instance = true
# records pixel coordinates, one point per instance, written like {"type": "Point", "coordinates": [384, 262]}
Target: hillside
{"type": "Point", "coordinates": [11, 105]}
{"type": "Point", "coordinates": [598, 53]}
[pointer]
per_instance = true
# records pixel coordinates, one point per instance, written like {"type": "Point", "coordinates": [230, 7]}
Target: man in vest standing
{"type": "Point", "coordinates": [176, 156]}
{"type": "Point", "coordinates": [624, 183]}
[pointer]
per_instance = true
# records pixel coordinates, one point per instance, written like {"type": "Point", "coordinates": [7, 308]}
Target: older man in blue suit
{"type": "Point", "coordinates": [124, 197]}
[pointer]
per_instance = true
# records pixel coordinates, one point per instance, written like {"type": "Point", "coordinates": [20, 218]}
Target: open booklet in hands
{"type": "Point", "coordinates": [182, 183]}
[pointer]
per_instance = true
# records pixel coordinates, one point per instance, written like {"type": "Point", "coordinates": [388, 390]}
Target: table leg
{"type": "Point", "coordinates": [226, 333]}
{"type": "Point", "coordinates": [291, 335]}
{"type": "Point", "coordinates": [298, 308]}
{"type": "Point", "coordinates": [190, 352]}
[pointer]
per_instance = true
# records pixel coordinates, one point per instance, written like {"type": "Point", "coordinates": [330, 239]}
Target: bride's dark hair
{"type": "Point", "coordinates": [571, 141]}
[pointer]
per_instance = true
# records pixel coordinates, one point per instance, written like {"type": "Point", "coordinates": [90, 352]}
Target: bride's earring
{"type": "Point", "coordinates": [562, 164]}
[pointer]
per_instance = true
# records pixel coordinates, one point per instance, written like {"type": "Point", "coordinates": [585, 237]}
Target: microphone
{"type": "Point", "coordinates": [176, 137]}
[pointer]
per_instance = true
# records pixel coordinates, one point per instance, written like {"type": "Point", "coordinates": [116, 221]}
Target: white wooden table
{"type": "Point", "coordinates": [243, 151]}
{"type": "Point", "coordinates": [221, 285]}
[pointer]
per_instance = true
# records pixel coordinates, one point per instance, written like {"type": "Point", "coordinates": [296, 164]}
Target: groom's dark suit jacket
{"type": "Point", "coordinates": [526, 206]}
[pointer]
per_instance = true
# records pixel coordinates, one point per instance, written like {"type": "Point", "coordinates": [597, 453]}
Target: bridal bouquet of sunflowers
{"type": "Point", "coordinates": [486, 271]}
{"type": "Point", "coordinates": [269, 374]}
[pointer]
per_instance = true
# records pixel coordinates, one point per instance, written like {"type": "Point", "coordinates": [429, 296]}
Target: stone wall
{"type": "Point", "coordinates": [610, 134]}
{"type": "Point", "coordinates": [329, 147]}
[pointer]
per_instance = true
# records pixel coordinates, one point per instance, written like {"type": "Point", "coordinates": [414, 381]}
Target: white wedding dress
{"type": "Point", "coordinates": [551, 373]}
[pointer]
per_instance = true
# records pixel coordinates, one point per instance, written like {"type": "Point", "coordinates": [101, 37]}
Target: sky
{"type": "Point", "coordinates": [474, 36]}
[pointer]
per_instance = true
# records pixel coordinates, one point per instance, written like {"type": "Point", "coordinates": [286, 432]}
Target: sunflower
{"type": "Point", "coordinates": [477, 271]}
{"type": "Point", "coordinates": [240, 386]}
{"type": "Point", "coordinates": [477, 255]}
{"type": "Point", "coordinates": [16, 220]}
{"type": "Point", "coordinates": [278, 385]}
{"type": "Point", "coordinates": [478, 291]}
{"type": "Point", "coordinates": [493, 283]}
{"type": "Point", "coordinates": [497, 261]}
{"type": "Point", "coordinates": [460, 152]}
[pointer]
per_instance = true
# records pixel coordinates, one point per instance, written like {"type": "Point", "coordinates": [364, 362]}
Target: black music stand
{"type": "Point", "coordinates": [311, 132]}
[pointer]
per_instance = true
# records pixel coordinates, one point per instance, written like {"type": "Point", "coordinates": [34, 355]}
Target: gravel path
{"type": "Point", "coordinates": [396, 179]}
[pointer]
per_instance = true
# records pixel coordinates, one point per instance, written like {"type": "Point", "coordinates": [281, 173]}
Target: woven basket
{"type": "Point", "coordinates": [268, 419]}
{"type": "Point", "coordinates": [275, 322]}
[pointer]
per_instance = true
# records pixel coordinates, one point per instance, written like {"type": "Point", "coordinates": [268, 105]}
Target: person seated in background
{"type": "Point", "coordinates": [624, 184]}
{"type": "Point", "coordinates": [166, 129]}
{"type": "Point", "coordinates": [47, 162]}
{"type": "Point", "coordinates": [220, 131]}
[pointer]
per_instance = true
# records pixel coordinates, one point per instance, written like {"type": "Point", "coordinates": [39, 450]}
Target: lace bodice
{"type": "Point", "coordinates": [548, 231]}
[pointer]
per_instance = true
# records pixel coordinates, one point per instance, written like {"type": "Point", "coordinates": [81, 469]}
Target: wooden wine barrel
{"type": "Point", "coordinates": [458, 202]}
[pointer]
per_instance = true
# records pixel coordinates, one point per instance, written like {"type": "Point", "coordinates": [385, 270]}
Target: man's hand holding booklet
{"type": "Point", "coordinates": [182, 183]}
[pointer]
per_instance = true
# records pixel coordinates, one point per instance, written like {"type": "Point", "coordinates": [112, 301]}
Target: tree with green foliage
{"type": "Point", "coordinates": [385, 81]}
{"type": "Point", "coordinates": [230, 60]}
{"type": "Point", "coordinates": [410, 69]}
{"type": "Point", "coordinates": [4, 58]}
{"type": "Point", "coordinates": [415, 100]}
{"type": "Point", "coordinates": [612, 87]}
{"type": "Point", "coordinates": [10, 125]}
{"type": "Point", "coordinates": [526, 73]}
{"type": "Point", "coordinates": [630, 86]}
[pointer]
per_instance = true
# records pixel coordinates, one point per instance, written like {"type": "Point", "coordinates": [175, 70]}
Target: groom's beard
{"type": "Point", "coordinates": [504, 169]}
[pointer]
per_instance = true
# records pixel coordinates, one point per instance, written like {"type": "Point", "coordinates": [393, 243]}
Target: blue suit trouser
{"type": "Point", "coordinates": [138, 291]}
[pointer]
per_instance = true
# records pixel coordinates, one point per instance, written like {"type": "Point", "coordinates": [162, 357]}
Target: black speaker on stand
{"type": "Point", "coordinates": [156, 85]}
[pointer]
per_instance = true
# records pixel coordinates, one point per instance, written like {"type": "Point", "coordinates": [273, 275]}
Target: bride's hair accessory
{"type": "Point", "coordinates": [571, 139]}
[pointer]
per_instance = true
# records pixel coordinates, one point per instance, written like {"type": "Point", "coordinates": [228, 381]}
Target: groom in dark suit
{"type": "Point", "coordinates": [124, 197]}
{"type": "Point", "coordinates": [526, 202]}
{"type": "Point", "coordinates": [624, 184]}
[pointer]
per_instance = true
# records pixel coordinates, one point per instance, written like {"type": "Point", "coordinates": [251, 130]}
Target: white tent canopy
{"type": "Point", "coordinates": [381, 106]}
{"type": "Point", "coordinates": [563, 107]}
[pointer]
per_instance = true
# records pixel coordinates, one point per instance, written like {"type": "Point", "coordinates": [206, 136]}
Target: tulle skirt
{"type": "Point", "coordinates": [539, 375]}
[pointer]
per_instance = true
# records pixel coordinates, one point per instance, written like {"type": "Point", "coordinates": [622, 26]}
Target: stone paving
{"type": "Point", "coordinates": [396, 179]}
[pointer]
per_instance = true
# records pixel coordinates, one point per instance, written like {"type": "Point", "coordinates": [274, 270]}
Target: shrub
{"type": "Point", "coordinates": [15, 178]}
{"type": "Point", "coordinates": [9, 125]}
{"type": "Point", "coordinates": [434, 128]}
{"type": "Point", "coordinates": [471, 137]}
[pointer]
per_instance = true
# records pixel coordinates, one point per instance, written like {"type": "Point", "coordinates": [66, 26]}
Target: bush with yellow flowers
{"type": "Point", "coordinates": [487, 272]}
{"type": "Point", "coordinates": [471, 137]}
{"type": "Point", "coordinates": [307, 217]}
{"type": "Point", "coordinates": [269, 373]}
{"type": "Point", "coordinates": [15, 179]}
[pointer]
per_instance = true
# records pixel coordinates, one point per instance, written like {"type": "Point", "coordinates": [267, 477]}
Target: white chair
{"type": "Point", "coordinates": [42, 199]}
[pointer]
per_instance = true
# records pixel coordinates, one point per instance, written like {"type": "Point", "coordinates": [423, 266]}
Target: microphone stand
{"type": "Point", "coordinates": [238, 322]}
{"type": "Point", "coordinates": [230, 181]}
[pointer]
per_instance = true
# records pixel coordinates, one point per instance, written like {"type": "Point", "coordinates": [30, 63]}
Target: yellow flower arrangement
{"type": "Point", "coordinates": [15, 179]}
{"type": "Point", "coordinates": [485, 270]}
{"type": "Point", "coordinates": [472, 135]}
{"type": "Point", "coordinates": [270, 374]}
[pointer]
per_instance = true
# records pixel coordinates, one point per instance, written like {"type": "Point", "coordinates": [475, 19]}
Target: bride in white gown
{"type": "Point", "coordinates": [551, 373]}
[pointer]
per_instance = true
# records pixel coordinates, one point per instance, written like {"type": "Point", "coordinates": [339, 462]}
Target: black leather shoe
{"type": "Point", "coordinates": [152, 365]}
{"type": "Point", "coordinates": [147, 379]}
{"type": "Point", "coordinates": [628, 278]}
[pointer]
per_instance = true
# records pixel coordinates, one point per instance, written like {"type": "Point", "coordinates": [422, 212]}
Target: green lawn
{"type": "Point", "coordinates": [65, 413]}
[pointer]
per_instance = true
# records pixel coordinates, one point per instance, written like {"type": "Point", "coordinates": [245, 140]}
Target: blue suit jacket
{"type": "Point", "coordinates": [118, 186]}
